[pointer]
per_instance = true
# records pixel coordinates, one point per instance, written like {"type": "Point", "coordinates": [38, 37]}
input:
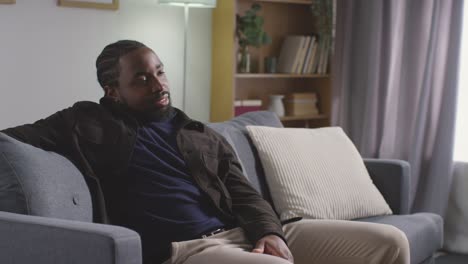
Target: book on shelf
{"type": "Point", "coordinates": [320, 60]}
{"type": "Point", "coordinates": [301, 104]}
{"type": "Point", "coordinates": [308, 57]}
{"type": "Point", "coordinates": [318, 57]}
{"type": "Point", "coordinates": [324, 64]}
{"type": "Point", "coordinates": [302, 54]}
{"type": "Point", "coordinates": [312, 57]}
{"type": "Point", "coordinates": [247, 105]}
{"type": "Point", "coordinates": [289, 54]}
{"type": "Point", "coordinates": [251, 102]}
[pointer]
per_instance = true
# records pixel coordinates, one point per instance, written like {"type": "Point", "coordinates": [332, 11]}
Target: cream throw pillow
{"type": "Point", "coordinates": [316, 173]}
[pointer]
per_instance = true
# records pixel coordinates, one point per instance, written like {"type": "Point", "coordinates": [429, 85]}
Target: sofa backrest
{"type": "Point", "coordinates": [41, 183]}
{"type": "Point", "coordinates": [236, 134]}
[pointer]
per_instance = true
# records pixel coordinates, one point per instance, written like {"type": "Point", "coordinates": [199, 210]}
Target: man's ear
{"type": "Point", "coordinates": [111, 91]}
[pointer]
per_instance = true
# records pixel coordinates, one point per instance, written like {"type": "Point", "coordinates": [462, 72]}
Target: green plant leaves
{"type": "Point", "coordinates": [249, 28]}
{"type": "Point", "coordinates": [322, 10]}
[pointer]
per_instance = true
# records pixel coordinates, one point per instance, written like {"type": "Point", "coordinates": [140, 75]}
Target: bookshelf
{"type": "Point", "coordinates": [279, 75]}
{"type": "Point", "coordinates": [303, 2]}
{"type": "Point", "coordinates": [282, 18]}
{"type": "Point", "coordinates": [303, 117]}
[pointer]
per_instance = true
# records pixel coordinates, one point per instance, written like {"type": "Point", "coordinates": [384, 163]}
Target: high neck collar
{"type": "Point", "coordinates": [122, 110]}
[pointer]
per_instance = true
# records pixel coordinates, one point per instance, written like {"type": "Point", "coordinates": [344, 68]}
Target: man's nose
{"type": "Point", "coordinates": [157, 85]}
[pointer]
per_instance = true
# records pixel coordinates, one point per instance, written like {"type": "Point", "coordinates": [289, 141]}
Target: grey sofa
{"type": "Point", "coordinates": [45, 205]}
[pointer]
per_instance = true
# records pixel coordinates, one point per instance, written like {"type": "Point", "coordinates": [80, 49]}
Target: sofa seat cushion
{"type": "Point", "coordinates": [423, 230]}
{"type": "Point", "coordinates": [41, 183]}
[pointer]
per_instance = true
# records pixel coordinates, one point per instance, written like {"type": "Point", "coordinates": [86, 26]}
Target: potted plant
{"type": "Point", "coordinates": [322, 11]}
{"type": "Point", "coordinates": [249, 32]}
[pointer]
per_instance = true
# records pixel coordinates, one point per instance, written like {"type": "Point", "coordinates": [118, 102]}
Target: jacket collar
{"type": "Point", "coordinates": [187, 123]}
{"type": "Point", "coordinates": [122, 111]}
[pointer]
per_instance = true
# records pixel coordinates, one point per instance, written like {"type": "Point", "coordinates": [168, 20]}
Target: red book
{"type": "Point", "coordinates": [239, 110]}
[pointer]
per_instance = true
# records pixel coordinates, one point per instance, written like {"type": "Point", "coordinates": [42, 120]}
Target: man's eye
{"type": "Point", "coordinates": [142, 79]}
{"type": "Point", "coordinates": [161, 72]}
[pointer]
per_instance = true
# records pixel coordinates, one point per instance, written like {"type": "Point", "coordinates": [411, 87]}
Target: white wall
{"type": "Point", "coordinates": [461, 131]}
{"type": "Point", "coordinates": [47, 53]}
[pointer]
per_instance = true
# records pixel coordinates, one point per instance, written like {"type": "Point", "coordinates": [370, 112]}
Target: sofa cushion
{"type": "Point", "coordinates": [456, 216]}
{"type": "Point", "coordinates": [423, 230]}
{"type": "Point", "coordinates": [41, 183]}
{"type": "Point", "coordinates": [236, 134]}
{"type": "Point", "coordinates": [316, 173]}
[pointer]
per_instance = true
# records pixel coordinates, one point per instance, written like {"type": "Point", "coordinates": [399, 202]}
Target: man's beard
{"type": "Point", "coordinates": [154, 114]}
{"type": "Point", "coordinates": [159, 114]}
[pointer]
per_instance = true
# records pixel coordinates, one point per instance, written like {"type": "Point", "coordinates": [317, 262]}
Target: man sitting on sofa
{"type": "Point", "coordinates": [179, 184]}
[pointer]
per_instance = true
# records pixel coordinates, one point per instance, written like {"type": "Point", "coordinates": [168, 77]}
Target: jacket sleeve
{"type": "Point", "coordinates": [254, 213]}
{"type": "Point", "coordinates": [51, 133]}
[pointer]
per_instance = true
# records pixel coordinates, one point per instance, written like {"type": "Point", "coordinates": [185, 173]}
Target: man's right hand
{"type": "Point", "coordinates": [275, 246]}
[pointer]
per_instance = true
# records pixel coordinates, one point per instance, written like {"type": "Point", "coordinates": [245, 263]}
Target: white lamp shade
{"type": "Point", "coordinates": [191, 3]}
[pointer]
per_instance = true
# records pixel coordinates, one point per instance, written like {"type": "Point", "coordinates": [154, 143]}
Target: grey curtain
{"type": "Point", "coordinates": [395, 85]}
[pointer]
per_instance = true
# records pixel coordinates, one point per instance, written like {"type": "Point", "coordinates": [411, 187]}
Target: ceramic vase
{"type": "Point", "coordinates": [276, 104]}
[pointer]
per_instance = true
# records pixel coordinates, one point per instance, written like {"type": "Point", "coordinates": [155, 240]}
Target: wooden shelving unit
{"type": "Point", "coordinates": [308, 121]}
{"type": "Point", "coordinates": [303, 117]}
{"type": "Point", "coordinates": [301, 2]}
{"type": "Point", "coordinates": [279, 75]}
{"type": "Point", "coordinates": [282, 18]}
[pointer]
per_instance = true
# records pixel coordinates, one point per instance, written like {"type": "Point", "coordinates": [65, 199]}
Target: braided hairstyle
{"type": "Point", "coordinates": [107, 63]}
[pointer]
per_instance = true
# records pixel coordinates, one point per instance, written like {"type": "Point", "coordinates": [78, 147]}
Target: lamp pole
{"type": "Point", "coordinates": [184, 87]}
{"type": "Point", "coordinates": [187, 4]}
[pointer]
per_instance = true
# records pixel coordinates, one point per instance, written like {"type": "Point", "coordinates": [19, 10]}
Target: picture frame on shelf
{"type": "Point", "coordinates": [7, 1]}
{"type": "Point", "coordinates": [97, 4]}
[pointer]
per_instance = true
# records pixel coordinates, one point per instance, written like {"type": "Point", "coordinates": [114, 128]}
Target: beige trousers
{"type": "Point", "coordinates": [310, 241]}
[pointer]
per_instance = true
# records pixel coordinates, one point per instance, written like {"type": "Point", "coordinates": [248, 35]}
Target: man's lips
{"type": "Point", "coordinates": [162, 99]}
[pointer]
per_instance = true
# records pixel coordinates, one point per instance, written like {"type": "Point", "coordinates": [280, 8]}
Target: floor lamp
{"type": "Point", "coordinates": [187, 4]}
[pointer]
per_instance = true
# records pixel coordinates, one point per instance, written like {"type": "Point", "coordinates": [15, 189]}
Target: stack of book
{"type": "Point", "coordinates": [244, 106]}
{"type": "Point", "coordinates": [304, 55]}
{"type": "Point", "coordinates": [300, 104]}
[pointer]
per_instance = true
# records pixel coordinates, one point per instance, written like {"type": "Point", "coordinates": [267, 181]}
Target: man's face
{"type": "Point", "coordinates": [143, 85]}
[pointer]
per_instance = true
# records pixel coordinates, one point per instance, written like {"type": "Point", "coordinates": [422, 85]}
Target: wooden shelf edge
{"type": "Point", "coordinates": [304, 117]}
{"type": "Point", "coordinates": [300, 2]}
{"type": "Point", "coordinates": [280, 75]}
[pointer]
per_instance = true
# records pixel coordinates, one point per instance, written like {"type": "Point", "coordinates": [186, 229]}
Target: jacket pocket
{"type": "Point", "coordinates": [213, 168]}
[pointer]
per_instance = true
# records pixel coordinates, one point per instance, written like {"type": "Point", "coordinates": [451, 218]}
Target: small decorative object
{"type": "Point", "coordinates": [7, 1]}
{"type": "Point", "coordinates": [99, 4]}
{"type": "Point", "coordinates": [276, 104]}
{"type": "Point", "coordinates": [249, 32]}
{"type": "Point", "coordinates": [270, 64]}
{"type": "Point", "coordinates": [244, 60]}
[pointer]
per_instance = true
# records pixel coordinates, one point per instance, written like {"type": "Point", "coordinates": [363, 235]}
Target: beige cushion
{"type": "Point", "coordinates": [316, 173]}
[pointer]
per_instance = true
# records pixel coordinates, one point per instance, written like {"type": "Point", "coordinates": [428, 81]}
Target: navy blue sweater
{"type": "Point", "coordinates": [165, 204]}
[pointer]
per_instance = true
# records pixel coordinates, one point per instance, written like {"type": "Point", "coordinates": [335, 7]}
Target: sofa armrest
{"type": "Point", "coordinates": [392, 178]}
{"type": "Point", "coordinates": [41, 240]}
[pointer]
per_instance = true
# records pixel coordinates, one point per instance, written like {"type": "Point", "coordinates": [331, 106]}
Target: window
{"type": "Point", "coordinates": [461, 134]}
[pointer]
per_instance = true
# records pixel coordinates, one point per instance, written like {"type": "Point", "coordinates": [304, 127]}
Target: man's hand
{"type": "Point", "coordinates": [273, 245]}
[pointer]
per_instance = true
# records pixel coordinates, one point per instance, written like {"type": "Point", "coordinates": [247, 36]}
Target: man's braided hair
{"type": "Point", "coordinates": [107, 63]}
